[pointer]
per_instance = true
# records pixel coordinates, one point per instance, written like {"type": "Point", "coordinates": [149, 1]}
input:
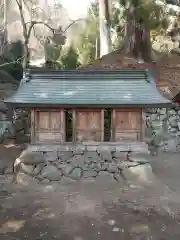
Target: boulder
{"type": "Point", "coordinates": [139, 160]}
{"type": "Point", "coordinates": [51, 156]}
{"type": "Point", "coordinates": [67, 169]}
{"type": "Point", "coordinates": [65, 156]}
{"type": "Point", "coordinates": [112, 168]}
{"type": "Point", "coordinates": [127, 164]}
{"type": "Point", "coordinates": [90, 157]}
{"type": "Point", "coordinates": [105, 156]}
{"type": "Point", "coordinates": [31, 158]}
{"type": "Point", "coordinates": [28, 169]}
{"type": "Point", "coordinates": [25, 179]}
{"type": "Point", "coordinates": [140, 172]}
{"type": "Point", "coordinates": [119, 155]}
{"type": "Point", "coordinates": [51, 173]}
{"type": "Point", "coordinates": [76, 174]}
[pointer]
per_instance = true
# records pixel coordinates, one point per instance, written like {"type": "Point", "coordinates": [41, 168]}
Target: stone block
{"type": "Point", "coordinates": [28, 169]}
{"type": "Point", "coordinates": [65, 156]}
{"type": "Point", "coordinates": [140, 172]}
{"type": "Point", "coordinates": [31, 158]}
{"type": "Point", "coordinates": [91, 156]}
{"type": "Point", "coordinates": [76, 174]}
{"type": "Point", "coordinates": [105, 156]}
{"type": "Point", "coordinates": [52, 173]}
{"type": "Point", "coordinates": [51, 156]}
{"type": "Point", "coordinates": [112, 168]}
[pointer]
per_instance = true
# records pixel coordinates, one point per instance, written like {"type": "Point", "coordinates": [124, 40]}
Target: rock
{"type": "Point", "coordinates": [141, 172]}
{"type": "Point", "coordinates": [65, 156]}
{"type": "Point", "coordinates": [31, 158]}
{"type": "Point", "coordinates": [104, 166]}
{"type": "Point", "coordinates": [8, 170]}
{"type": "Point", "coordinates": [28, 169]}
{"type": "Point", "coordinates": [51, 156]}
{"type": "Point", "coordinates": [90, 157]}
{"type": "Point", "coordinates": [52, 173]}
{"type": "Point", "coordinates": [127, 164]}
{"type": "Point", "coordinates": [139, 160]}
{"type": "Point", "coordinates": [118, 177]}
{"type": "Point", "coordinates": [79, 149]}
{"type": "Point", "coordinates": [45, 181]}
{"type": "Point", "coordinates": [2, 169]}
{"type": "Point", "coordinates": [98, 167]}
{"type": "Point", "coordinates": [105, 156]}
{"type": "Point", "coordinates": [76, 174]}
{"type": "Point", "coordinates": [89, 173]}
{"type": "Point", "coordinates": [24, 179]}
{"type": "Point", "coordinates": [112, 168]}
{"type": "Point", "coordinates": [78, 161]}
{"type": "Point", "coordinates": [37, 169]}
{"type": "Point", "coordinates": [120, 155]}
{"type": "Point", "coordinates": [173, 123]}
{"type": "Point", "coordinates": [66, 170]}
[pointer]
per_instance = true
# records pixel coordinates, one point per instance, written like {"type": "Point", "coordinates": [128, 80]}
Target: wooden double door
{"type": "Point", "coordinates": [89, 125]}
{"type": "Point", "coordinates": [128, 124]}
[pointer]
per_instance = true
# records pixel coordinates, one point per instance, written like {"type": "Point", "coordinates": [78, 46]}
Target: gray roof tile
{"type": "Point", "coordinates": [83, 87]}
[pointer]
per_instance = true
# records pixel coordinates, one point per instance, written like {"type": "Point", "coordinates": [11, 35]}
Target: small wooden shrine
{"type": "Point", "coordinates": [72, 106]}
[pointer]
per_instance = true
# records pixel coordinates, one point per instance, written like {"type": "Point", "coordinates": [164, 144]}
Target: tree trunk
{"type": "Point", "coordinates": [26, 55]}
{"type": "Point", "coordinates": [104, 26]}
{"type": "Point", "coordinates": [137, 37]}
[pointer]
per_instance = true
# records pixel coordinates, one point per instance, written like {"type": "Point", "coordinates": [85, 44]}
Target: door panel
{"type": "Point", "coordinates": [127, 125]}
{"type": "Point", "coordinates": [88, 125]}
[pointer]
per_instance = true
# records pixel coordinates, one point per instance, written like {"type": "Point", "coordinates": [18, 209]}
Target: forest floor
{"type": "Point", "coordinates": [90, 210]}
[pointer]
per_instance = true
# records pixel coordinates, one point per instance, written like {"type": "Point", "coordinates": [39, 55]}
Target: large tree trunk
{"type": "Point", "coordinates": [26, 59]}
{"type": "Point", "coordinates": [137, 37]}
{"type": "Point", "coordinates": [104, 26]}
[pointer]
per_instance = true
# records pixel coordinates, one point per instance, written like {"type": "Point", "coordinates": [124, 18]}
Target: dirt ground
{"type": "Point", "coordinates": [93, 210]}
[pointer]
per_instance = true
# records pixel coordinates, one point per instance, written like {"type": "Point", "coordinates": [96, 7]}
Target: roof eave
{"type": "Point", "coordinates": [49, 105]}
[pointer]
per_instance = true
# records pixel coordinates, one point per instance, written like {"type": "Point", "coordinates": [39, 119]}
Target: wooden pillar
{"type": "Point", "coordinates": [102, 125]}
{"type": "Point", "coordinates": [33, 133]}
{"type": "Point", "coordinates": [113, 125]}
{"type": "Point", "coordinates": [74, 126]}
{"type": "Point", "coordinates": [142, 126]}
{"type": "Point", "coordinates": [62, 130]}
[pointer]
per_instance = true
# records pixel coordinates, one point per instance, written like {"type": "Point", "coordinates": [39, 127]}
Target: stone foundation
{"type": "Point", "coordinates": [166, 124]}
{"type": "Point", "coordinates": [53, 163]}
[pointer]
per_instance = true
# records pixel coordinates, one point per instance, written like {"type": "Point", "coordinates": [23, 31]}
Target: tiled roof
{"type": "Point", "coordinates": [87, 87]}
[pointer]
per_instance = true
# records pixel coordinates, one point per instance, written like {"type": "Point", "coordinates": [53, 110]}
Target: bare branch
{"type": "Point", "coordinates": [13, 62]}
{"type": "Point", "coordinates": [73, 22]}
{"type": "Point", "coordinates": [19, 3]}
{"type": "Point", "coordinates": [33, 23]}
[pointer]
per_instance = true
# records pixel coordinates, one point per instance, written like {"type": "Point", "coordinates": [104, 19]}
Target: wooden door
{"type": "Point", "coordinates": [50, 126]}
{"type": "Point", "coordinates": [127, 125]}
{"type": "Point", "coordinates": [88, 125]}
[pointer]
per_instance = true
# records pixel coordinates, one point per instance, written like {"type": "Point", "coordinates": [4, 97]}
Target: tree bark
{"type": "Point", "coordinates": [137, 37]}
{"type": "Point", "coordinates": [104, 25]}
